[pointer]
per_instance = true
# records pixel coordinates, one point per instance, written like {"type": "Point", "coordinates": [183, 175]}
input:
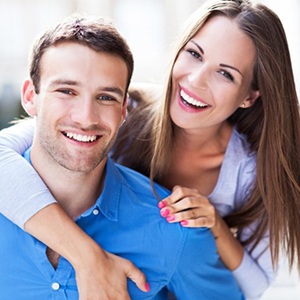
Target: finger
{"type": "Point", "coordinates": [178, 192]}
{"type": "Point", "coordinates": [202, 217]}
{"type": "Point", "coordinates": [188, 203]}
{"type": "Point", "coordinates": [137, 276]}
{"type": "Point", "coordinates": [199, 222]}
{"type": "Point", "coordinates": [176, 208]}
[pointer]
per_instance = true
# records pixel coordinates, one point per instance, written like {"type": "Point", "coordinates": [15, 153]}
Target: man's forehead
{"type": "Point", "coordinates": [75, 64]}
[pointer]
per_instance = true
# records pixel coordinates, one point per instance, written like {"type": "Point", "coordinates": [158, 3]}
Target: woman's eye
{"type": "Point", "coordinates": [195, 54]}
{"type": "Point", "coordinates": [227, 75]}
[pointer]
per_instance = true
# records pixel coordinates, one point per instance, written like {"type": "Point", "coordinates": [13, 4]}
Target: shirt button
{"type": "Point", "coordinates": [55, 286]}
{"type": "Point", "coordinates": [95, 211]}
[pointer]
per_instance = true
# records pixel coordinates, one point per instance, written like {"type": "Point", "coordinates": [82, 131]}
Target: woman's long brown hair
{"type": "Point", "coordinates": [272, 126]}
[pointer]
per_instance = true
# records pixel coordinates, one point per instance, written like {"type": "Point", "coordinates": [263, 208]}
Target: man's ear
{"type": "Point", "coordinates": [252, 97]}
{"type": "Point", "coordinates": [28, 97]}
{"type": "Point", "coordinates": [124, 109]}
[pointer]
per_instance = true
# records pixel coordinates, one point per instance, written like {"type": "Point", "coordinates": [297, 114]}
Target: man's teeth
{"type": "Point", "coordinates": [191, 100]}
{"type": "Point", "coordinates": [81, 138]}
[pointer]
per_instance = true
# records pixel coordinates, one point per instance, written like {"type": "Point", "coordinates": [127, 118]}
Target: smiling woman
{"type": "Point", "coordinates": [212, 75]}
{"type": "Point", "coordinates": [213, 135]}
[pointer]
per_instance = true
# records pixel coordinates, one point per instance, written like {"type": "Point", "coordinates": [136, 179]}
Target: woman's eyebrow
{"type": "Point", "coordinates": [231, 67]}
{"type": "Point", "coordinates": [221, 65]}
{"type": "Point", "coordinates": [198, 46]}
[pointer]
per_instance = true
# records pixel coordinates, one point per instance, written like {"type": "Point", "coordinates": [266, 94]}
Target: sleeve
{"type": "Point", "coordinates": [256, 272]}
{"type": "Point", "coordinates": [199, 273]}
{"type": "Point", "coordinates": [22, 192]}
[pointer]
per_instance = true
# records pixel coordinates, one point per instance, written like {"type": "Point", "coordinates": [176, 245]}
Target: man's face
{"type": "Point", "coordinates": [80, 106]}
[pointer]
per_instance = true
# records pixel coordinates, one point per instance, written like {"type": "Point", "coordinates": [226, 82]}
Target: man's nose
{"type": "Point", "coordinates": [85, 112]}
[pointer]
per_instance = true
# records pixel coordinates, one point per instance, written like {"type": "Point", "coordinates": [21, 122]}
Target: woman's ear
{"type": "Point", "coordinates": [248, 102]}
{"type": "Point", "coordinates": [28, 97]}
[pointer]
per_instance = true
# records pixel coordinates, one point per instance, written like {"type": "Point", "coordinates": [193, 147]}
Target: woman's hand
{"type": "Point", "coordinates": [189, 207]}
{"type": "Point", "coordinates": [99, 275]}
{"type": "Point", "coordinates": [104, 276]}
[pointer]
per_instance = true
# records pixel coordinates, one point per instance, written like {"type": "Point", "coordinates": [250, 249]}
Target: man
{"type": "Point", "coordinates": [79, 75]}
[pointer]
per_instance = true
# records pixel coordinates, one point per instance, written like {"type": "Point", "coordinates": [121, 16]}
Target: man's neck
{"type": "Point", "coordinates": [74, 191]}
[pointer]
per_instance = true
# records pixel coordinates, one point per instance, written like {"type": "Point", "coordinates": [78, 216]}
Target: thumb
{"type": "Point", "coordinates": [137, 276]}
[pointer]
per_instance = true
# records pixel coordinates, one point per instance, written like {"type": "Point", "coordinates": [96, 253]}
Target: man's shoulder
{"type": "Point", "coordinates": [139, 183]}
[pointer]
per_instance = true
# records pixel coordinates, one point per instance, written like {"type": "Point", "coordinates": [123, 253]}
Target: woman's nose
{"type": "Point", "coordinates": [199, 76]}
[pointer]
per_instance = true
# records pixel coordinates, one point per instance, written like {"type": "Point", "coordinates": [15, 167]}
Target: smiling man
{"type": "Point", "coordinates": [79, 75]}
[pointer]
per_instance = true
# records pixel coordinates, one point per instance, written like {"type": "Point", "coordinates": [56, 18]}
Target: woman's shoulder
{"type": "Point", "coordinates": [236, 176]}
{"type": "Point", "coordinates": [239, 147]}
{"type": "Point", "coordinates": [239, 157]}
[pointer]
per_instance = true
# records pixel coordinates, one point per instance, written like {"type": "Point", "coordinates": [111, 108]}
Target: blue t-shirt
{"type": "Point", "coordinates": [125, 220]}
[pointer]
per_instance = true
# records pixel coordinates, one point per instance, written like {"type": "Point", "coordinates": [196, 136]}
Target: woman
{"type": "Point", "coordinates": [225, 139]}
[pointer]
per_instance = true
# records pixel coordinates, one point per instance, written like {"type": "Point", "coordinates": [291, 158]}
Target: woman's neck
{"type": "Point", "coordinates": [196, 159]}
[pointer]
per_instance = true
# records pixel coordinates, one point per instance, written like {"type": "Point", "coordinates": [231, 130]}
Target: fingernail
{"type": "Point", "coordinates": [147, 287]}
{"type": "Point", "coordinates": [184, 223]}
{"type": "Point", "coordinates": [170, 218]}
{"type": "Point", "coordinates": [165, 212]}
{"type": "Point", "coordinates": [161, 204]}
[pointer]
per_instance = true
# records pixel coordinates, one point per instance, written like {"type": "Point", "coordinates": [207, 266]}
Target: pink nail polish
{"type": "Point", "coordinates": [161, 204]}
{"type": "Point", "coordinates": [165, 212]}
{"type": "Point", "coordinates": [184, 223]}
{"type": "Point", "coordinates": [147, 287]}
{"type": "Point", "coordinates": [170, 218]}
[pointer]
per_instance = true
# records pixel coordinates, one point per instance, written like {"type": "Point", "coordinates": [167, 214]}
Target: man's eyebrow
{"type": "Point", "coordinates": [111, 89]}
{"type": "Point", "coordinates": [63, 82]}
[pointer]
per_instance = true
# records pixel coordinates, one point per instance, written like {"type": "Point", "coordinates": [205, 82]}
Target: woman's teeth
{"type": "Point", "coordinates": [191, 100]}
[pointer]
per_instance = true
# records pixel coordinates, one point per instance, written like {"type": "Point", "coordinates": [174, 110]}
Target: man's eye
{"type": "Point", "coordinates": [106, 98]}
{"type": "Point", "coordinates": [66, 91]}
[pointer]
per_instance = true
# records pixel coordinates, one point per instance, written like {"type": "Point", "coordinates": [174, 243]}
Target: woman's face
{"type": "Point", "coordinates": [212, 75]}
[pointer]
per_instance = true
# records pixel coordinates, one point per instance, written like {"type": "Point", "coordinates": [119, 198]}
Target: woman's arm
{"type": "Point", "coordinates": [22, 192]}
{"type": "Point", "coordinates": [99, 274]}
{"type": "Point", "coordinates": [26, 201]}
{"type": "Point", "coordinates": [256, 271]}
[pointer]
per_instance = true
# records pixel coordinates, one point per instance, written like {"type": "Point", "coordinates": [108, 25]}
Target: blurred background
{"type": "Point", "coordinates": [150, 27]}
